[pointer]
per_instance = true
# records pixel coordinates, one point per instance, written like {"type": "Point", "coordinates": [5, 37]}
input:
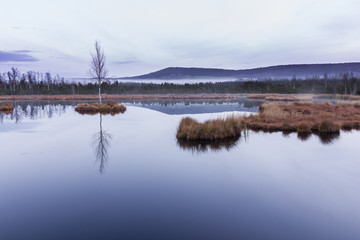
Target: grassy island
{"type": "Point", "coordinates": [191, 129]}
{"type": "Point", "coordinates": [105, 108]}
{"type": "Point", "coordinates": [304, 118]}
{"type": "Point", "coordinates": [6, 108]}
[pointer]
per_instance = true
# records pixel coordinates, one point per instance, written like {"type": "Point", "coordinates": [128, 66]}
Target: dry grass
{"type": "Point", "coordinates": [105, 108]}
{"type": "Point", "coordinates": [282, 97]}
{"type": "Point", "coordinates": [190, 129]}
{"type": "Point", "coordinates": [338, 97]}
{"type": "Point", "coordinates": [6, 108]}
{"type": "Point", "coordinates": [305, 118]}
{"type": "Point", "coordinates": [302, 97]}
{"type": "Point", "coordinates": [355, 103]}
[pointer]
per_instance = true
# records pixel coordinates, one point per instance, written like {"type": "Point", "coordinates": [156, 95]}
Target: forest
{"type": "Point", "coordinates": [13, 82]}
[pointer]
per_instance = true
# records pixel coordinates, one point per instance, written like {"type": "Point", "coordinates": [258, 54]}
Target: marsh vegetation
{"type": "Point", "coordinates": [6, 108]}
{"type": "Point", "coordinates": [303, 118]}
{"type": "Point", "coordinates": [103, 108]}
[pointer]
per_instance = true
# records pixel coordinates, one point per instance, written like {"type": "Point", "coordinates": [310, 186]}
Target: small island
{"type": "Point", "coordinates": [104, 108]}
{"type": "Point", "coordinates": [6, 108]}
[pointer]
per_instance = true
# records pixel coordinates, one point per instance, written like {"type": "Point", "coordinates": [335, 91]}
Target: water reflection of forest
{"type": "Point", "coordinates": [35, 110]}
{"type": "Point", "coordinates": [47, 109]}
{"type": "Point", "coordinates": [176, 107]}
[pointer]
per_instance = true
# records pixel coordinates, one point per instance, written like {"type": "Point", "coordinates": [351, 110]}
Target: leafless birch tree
{"type": "Point", "coordinates": [97, 66]}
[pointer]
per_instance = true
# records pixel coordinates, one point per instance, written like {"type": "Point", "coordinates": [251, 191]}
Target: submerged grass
{"type": "Point", "coordinates": [304, 118]}
{"type": "Point", "coordinates": [6, 108]}
{"type": "Point", "coordinates": [105, 108]}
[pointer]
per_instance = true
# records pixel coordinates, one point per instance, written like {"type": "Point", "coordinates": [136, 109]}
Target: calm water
{"type": "Point", "coordinates": [69, 176]}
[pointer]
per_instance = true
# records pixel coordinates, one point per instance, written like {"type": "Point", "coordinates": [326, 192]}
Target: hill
{"type": "Point", "coordinates": [280, 71]}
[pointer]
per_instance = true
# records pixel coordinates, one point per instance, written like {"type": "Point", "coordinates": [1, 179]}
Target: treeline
{"type": "Point", "coordinates": [14, 83]}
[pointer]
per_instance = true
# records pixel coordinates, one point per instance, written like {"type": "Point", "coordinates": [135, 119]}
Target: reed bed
{"type": "Point", "coordinates": [304, 118]}
{"type": "Point", "coordinates": [222, 128]}
{"type": "Point", "coordinates": [6, 108]}
{"type": "Point", "coordinates": [105, 108]}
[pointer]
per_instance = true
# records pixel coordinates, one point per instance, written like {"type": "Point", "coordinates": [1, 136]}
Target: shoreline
{"type": "Point", "coordinates": [77, 97]}
{"type": "Point", "coordinates": [270, 97]}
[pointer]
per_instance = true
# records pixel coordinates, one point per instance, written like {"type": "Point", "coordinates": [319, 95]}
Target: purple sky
{"type": "Point", "coordinates": [143, 36]}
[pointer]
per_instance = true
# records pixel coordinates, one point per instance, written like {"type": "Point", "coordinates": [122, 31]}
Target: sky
{"type": "Point", "coordinates": [141, 36]}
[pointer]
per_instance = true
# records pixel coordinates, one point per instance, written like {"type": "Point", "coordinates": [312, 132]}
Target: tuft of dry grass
{"type": "Point", "coordinates": [105, 108]}
{"type": "Point", "coordinates": [191, 130]}
{"type": "Point", "coordinates": [6, 108]}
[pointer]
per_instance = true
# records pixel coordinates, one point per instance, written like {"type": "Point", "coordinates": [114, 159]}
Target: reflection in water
{"type": "Point", "coordinates": [325, 139]}
{"type": "Point", "coordinates": [34, 110]}
{"type": "Point", "coordinates": [304, 136]}
{"type": "Point", "coordinates": [176, 107]}
{"type": "Point", "coordinates": [47, 109]}
{"type": "Point", "coordinates": [227, 144]}
{"type": "Point", "coordinates": [328, 138]}
{"type": "Point", "coordinates": [218, 145]}
{"type": "Point", "coordinates": [101, 142]}
{"type": "Point", "coordinates": [204, 146]}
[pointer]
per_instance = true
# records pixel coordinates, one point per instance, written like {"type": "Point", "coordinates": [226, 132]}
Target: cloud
{"type": "Point", "coordinates": [22, 51]}
{"type": "Point", "coordinates": [126, 62]}
{"type": "Point", "coordinates": [17, 56]}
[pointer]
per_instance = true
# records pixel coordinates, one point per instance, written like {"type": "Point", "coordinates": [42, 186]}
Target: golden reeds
{"type": "Point", "coordinates": [304, 118]}
{"type": "Point", "coordinates": [190, 129]}
{"type": "Point", "coordinates": [105, 108]}
{"type": "Point", "coordinates": [6, 108]}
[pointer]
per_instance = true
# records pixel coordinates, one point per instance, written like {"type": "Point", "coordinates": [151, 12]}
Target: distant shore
{"type": "Point", "coordinates": [79, 97]}
{"type": "Point", "coordinates": [139, 97]}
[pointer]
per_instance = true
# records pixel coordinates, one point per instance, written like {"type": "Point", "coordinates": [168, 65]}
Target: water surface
{"type": "Point", "coordinates": [69, 176]}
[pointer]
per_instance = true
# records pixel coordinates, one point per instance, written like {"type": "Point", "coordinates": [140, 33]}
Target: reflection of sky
{"type": "Point", "coordinates": [177, 109]}
{"type": "Point", "coordinates": [23, 127]}
{"type": "Point", "coordinates": [49, 180]}
{"type": "Point", "coordinates": [143, 36]}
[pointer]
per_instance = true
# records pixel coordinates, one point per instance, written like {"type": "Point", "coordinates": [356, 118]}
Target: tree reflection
{"type": "Point", "coordinates": [34, 110]}
{"type": "Point", "coordinates": [101, 143]}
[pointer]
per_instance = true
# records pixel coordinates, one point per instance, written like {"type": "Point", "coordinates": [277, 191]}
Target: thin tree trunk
{"type": "Point", "coordinates": [99, 92]}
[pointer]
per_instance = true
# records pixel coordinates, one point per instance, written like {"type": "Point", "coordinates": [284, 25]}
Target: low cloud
{"type": "Point", "coordinates": [126, 62]}
{"type": "Point", "coordinates": [17, 56]}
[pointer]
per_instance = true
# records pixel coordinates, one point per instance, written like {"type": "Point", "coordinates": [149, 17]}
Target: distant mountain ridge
{"type": "Point", "coordinates": [280, 71]}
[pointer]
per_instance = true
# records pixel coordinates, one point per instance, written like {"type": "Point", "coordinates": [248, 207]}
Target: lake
{"type": "Point", "coordinates": [64, 175]}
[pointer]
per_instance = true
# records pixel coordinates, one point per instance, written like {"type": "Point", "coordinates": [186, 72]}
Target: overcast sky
{"type": "Point", "coordinates": [140, 36]}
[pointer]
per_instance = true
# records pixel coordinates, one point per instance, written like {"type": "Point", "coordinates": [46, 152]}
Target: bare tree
{"type": "Point", "coordinates": [97, 66]}
{"type": "Point", "coordinates": [13, 75]}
